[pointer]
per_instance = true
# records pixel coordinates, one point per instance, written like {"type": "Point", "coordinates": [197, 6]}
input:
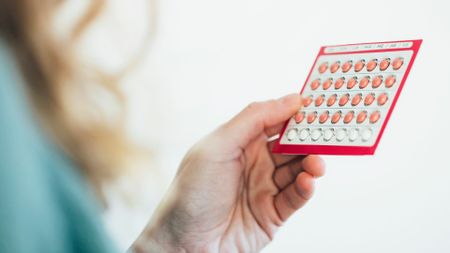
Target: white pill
{"type": "Point", "coordinates": [341, 134]}
{"type": "Point", "coordinates": [353, 134]}
{"type": "Point", "coordinates": [304, 134]}
{"type": "Point", "coordinates": [315, 134]}
{"type": "Point", "coordinates": [292, 134]}
{"type": "Point", "coordinates": [366, 134]}
{"type": "Point", "coordinates": [327, 134]}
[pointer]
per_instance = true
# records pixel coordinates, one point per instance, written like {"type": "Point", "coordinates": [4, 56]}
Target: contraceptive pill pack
{"type": "Point", "coordinates": [348, 98]}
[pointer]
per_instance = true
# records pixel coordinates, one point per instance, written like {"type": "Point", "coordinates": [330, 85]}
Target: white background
{"type": "Point", "coordinates": [211, 58]}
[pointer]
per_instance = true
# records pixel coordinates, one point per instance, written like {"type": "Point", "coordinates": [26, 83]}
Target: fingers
{"type": "Point", "coordinates": [272, 131]}
{"type": "Point", "coordinates": [280, 159]}
{"type": "Point", "coordinates": [294, 196]}
{"type": "Point", "coordinates": [261, 116]}
{"type": "Point", "coordinates": [287, 173]}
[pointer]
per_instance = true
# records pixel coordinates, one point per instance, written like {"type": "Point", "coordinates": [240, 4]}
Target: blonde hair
{"type": "Point", "coordinates": [60, 87]}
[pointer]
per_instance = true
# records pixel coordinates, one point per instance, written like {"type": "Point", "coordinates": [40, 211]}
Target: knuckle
{"type": "Point", "coordinates": [254, 106]}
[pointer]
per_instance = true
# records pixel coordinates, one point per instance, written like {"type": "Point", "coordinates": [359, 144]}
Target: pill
{"type": "Point", "coordinates": [315, 84]}
{"type": "Point", "coordinates": [374, 117]}
{"type": "Point", "coordinates": [382, 98]}
{"type": "Point", "coordinates": [353, 134]}
{"type": "Point", "coordinates": [319, 100]}
{"type": "Point", "coordinates": [344, 99]}
{"type": "Point", "coordinates": [335, 66]}
{"type": "Point", "coordinates": [298, 117]}
{"type": "Point", "coordinates": [364, 82]}
{"type": "Point", "coordinates": [303, 135]}
{"type": "Point", "coordinates": [349, 117]}
{"type": "Point", "coordinates": [362, 116]}
{"type": "Point", "coordinates": [341, 134]}
{"type": "Point", "coordinates": [311, 117]}
{"type": "Point", "coordinates": [327, 134]}
{"type": "Point", "coordinates": [352, 82]}
{"type": "Point", "coordinates": [339, 83]}
{"type": "Point", "coordinates": [390, 81]}
{"type": "Point", "coordinates": [356, 99]}
{"type": "Point", "coordinates": [368, 100]}
{"type": "Point", "coordinates": [291, 134]}
{"type": "Point", "coordinates": [359, 65]}
{"type": "Point", "coordinates": [336, 117]}
{"type": "Point", "coordinates": [384, 64]}
{"type": "Point", "coordinates": [397, 63]}
{"type": "Point", "coordinates": [323, 117]}
{"type": "Point", "coordinates": [327, 84]}
{"type": "Point", "coordinates": [323, 67]}
{"type": "Point", "coordinates": [315, 134]}
{"type": "Point", "coordinates": [307, 101]}
{"type": "Point", "coordinates": [347, 66]}
{"type": "Point", "coordinates": [377, 81]}
{"type": "Point", "coordinates": [371, 65]}
{"type": "Point", "coordinates": [331, 100]}
{"type": "Point", "coordinates": [366, 134]}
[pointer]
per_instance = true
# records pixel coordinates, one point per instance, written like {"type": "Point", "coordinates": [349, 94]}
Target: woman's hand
{"type": "Point", "coordinates": [231, 194]}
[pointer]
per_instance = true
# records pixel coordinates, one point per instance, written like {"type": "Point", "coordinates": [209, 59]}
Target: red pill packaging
{"type": "Point", "coordinates": [348, 98]}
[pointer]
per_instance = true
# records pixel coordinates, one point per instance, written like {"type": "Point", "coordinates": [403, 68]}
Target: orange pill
{"type": "Point", "coordinates": [307, 101]}
{"type": "Point", "coordinates": [323, 117]}
{"type": "Point", "coordinates": [371, 65]}
{"type": "Point", "coordinates": [349, 117]}
{"type": "Point", "coordinates": [361, 117]}
{"type": "Point", "coordinates": [364, 82]}
{"type": "Point", "coordinates": [384, 64]}
{"type": "Point", "coordinates": [356, 99]}
{"type": "Point", "coordinates": [377, 81]}
{"type": "Point", "coordinates": [339, 83]}
{"type": "Point", "coordinates": [374, 117]}
{"type": "Point", "coordinates": [382, 99]}
{"type": "Point", "coordinates": [390, 81]}
{"type": "Point", "coordinates": [327, 84]}
{"type": "Point", "coordinates": [319, 100]}
{"type": "Point", "coordinates": [331, 100]}
{"type": "Point", "coordinates": [344, 99]}
{"type": "Point", "coordinates": [359, 65]}
{"type": "Point", "coordinates": [347, 66]}
{"type": "Point", "coordinates": [335, 66]}
{"type": "Point", "coordinates": [336, 117]}
{"type": "Point", "coordinates": [368, 100]}
{"type": "Point", "coordinates": [323, 67]}
{"type": "Point", "coordinates": [352, 82]}
{"type": "Point", "coordinates": [315, 84]}
{"type": "Point", "coordinates": [298, 117]}
{"type": "Point", "coordinates": [311, 117]}
{"type": "Point", "coordinates": [397, 63]}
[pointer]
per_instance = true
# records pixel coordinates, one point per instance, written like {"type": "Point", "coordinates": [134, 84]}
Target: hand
{"type": "Point", "coordinates": [231, 194]}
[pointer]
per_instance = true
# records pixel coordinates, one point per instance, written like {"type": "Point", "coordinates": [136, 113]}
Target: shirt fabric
{"type": "Point", "coordinates": [45, 203]}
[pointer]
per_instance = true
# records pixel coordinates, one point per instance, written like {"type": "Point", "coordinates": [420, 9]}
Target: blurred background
{"type": "Point", "coordinates": [208, 59]}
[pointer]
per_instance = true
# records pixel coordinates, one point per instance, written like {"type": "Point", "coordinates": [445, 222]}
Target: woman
{"type": "Point", "coordinates": [230, 194]}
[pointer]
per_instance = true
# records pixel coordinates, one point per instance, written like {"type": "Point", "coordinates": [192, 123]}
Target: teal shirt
{"type": "Point", "coordinates": [45, 203]}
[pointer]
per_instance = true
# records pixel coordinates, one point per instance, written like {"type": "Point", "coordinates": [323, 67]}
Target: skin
{"type": "Point", "coordinates": [231, 194]}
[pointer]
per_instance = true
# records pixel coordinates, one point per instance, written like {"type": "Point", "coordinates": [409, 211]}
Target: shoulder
{"type": "Point", "coordinates": [46, 204]}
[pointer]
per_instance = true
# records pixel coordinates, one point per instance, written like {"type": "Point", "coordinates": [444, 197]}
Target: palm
{"type": "Point", "coordinates": [231, 193]}
{"type": "Point", "coordinates": [245, 216]}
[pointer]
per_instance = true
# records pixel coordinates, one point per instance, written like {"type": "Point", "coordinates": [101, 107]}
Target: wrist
{"type": "Point", "coordinates": [156, 239]}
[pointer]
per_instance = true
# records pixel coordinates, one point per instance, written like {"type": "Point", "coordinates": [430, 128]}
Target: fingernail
{"type": "Point", "coordinates": [322, 162]}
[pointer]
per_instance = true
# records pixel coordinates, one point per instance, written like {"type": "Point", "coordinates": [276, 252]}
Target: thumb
{"type": "Point", "coordinates": [259, 117]}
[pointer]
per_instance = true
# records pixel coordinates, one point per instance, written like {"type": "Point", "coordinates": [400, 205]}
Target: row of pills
{"type": "Point", "coordinates": [376, 82]}
{"type": "Point", "coordinates": [345, 98]}
{"type": "Point", "coordinates": [328, 134]}
{"type": "Point", "coordinates": [359, 65]}
{"type": "Point", "coordinates": [361, 117]}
